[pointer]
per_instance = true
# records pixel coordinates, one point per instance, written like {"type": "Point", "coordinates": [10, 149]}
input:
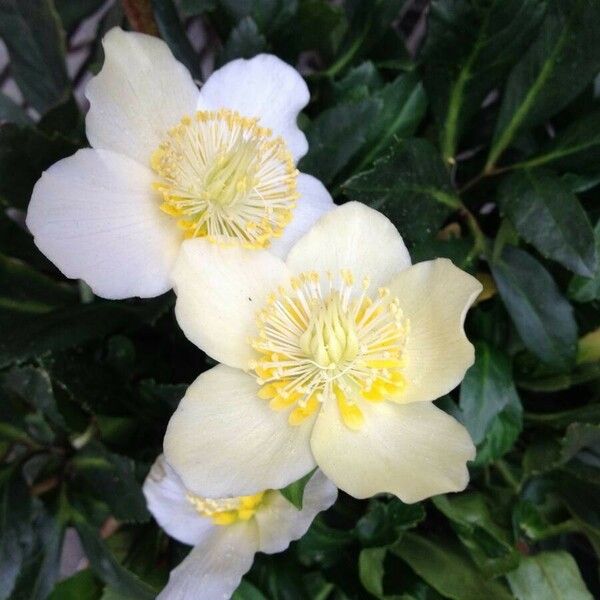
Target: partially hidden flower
{"type": "Point", "coordinates": [170, 162]}
{"type": "Point", "coordinates": [226, 533]}
{"type": "Point", "coordinates": [331, 358]}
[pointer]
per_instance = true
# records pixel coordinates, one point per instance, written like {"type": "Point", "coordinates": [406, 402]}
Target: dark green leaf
{"type": "Point", "coordinates": [172, 31]}
{"type": "Point", "coordinates": [294, 492]}
{"type": "Point", "coordinates": [486, 390]}
{"type": "Point", "coordinates": [542, 316]}
{"type": "Point", "coordinates": [549, 216]}
{"type": "Point", "coordinates": [81, 586]}
{"type": "Point", "coordinates": [244, 41]}
{"type": "Point", "coordinates": [586, 289]}
{"type": "Point", "coordinates": [246, 591]}
{"type": "Point", "coordinates": [561, 61]}
{"type": "Point", "coordinates": [112, 477]}
{"type": "Point", "coordinates": [447, 569]}
{"type": "Point", "coordinates": [34, 37]}
{"type": "Point", "coordinates": [470, 47]}
{"type": "Point", "coordinates": [371, 570]}
{"type": "Point", "coordinates": [72, 13]}
{"type": "Point", "coordinates": [546, 576]}
{"type": "Point", "coordinates": [323, 545]}
{"type": "Point", "coordinates": [24, 154]}
{"type": "Point", "coordinates": [410, 186]}
{"type": "Point", "coordinates": [11, 112]}
{"type": "Point", "coordinates": [336, 135]}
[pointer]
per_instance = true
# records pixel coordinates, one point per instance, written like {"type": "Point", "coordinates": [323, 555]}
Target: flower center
{"type": "Point", "coordinates": [226, 178]}
{"type": "Point", "coordinates": [225, 511]}
{"type": "Point", "coordinates": [329, 339]}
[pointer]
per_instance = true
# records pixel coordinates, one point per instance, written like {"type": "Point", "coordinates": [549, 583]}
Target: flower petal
{"type": "Point", "coordinates": [411, 450]}
{"type": "Point", "coordinates": [167, 501]}
{"type": "Point", "coordinates": [263, 87]}
{"type": "Point", "coordinates": [280, 522]}
{"type": "Point", "coordinates": [225, 441]}
{"type": "Point", "coordinates": [219, 291]}
{"type": "Point", "coordinates": [214, 568]}
{"type": "Point", "coordinates": [435, 296]}
{"type": "Point", "coordinates": [140, 93]}
{"type": "Point", "coordinates": [95, 216]}
{"type": "Point", "coordinates": [355, 237]}
{"type": "Point", "coordinates": [313, 203]}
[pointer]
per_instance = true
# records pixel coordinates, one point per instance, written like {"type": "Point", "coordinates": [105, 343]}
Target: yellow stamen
{"type": "Point", "coordinates": [225, 511]}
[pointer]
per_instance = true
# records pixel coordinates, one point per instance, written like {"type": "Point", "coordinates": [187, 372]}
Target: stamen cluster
{"type": "Point", "coordinates": [326, 337]}
{"type": "Point", "coordinates": [226, 178]}
{"type": "Point", "coordinates": [225, 511]}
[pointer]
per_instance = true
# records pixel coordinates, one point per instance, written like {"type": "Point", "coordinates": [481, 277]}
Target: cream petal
{"type": "Point", "coordinates": [435, 296]}
{"type": "Point", "coordinates": [225, 441]}
{"type": "Point", "coordinates": [167, 500]}
{"type": "Point", "coordinates": [140, 92]}
{"type": "Point", "coordinates": [263, 87]}
{"type": "Point", "coordinates": [280, 522]}
{"type": "Point", "coordinates": [411, 450]}
{"type": "Point", "coordinates": [313, 203]}
{"type": "Point", "coordinates": [355, 237]}
{"type": "Point", "coordinates": [214, 568]}
{"type": "Point", "coordinates": [96, 217]}
{"type": "Point", "coordinates": [219, 291]}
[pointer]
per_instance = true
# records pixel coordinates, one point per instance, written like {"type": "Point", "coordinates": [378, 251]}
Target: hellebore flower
{"type": "Point", "coordinates": [331, 358]}
{"type": "Point", "coordinates": [170, 162]}
{"type": "Point", "coordinates": [226, 533]}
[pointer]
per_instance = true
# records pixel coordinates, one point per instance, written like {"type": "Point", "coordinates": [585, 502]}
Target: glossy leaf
{"type": "Point", "coordinates": [294, 492]}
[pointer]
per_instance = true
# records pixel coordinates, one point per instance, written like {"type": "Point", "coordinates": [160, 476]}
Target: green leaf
{"type": "Point", "coordinates": [549, 216]}
{"type": "Point", "coordinates": [172, 31]}
{"type": "Point", "coordinates": [548, 576]}
{"type": "Point", "coordinates": [244, 41]}
{"type": "Point", "coordinates": [24, 289]}
{"type": "Point", "coordinates": [112, 478]}
{"type": "Point", "coordinates": [586, 289]}
{"type": "Point", "coordinates": [72, 13]}
{"type": "Point", "coordinates": [470, 47]}
{"type": "Point", "coordinates": [34, 37]}
{"type": "Point", "coordinates": [542, 316]}
{"type": "Point", "coordinates": [561, 61]}
{"type": "Point", "coordinates": [471, 516]}
{"type": "Point", "coordinates": [81, 586]}
{"type": "Point", "coordinates": [486, 390]}
{"type": "Point", "coordinates": [371, 570]}
{"type": "Point", "coordinates": [410, 186]}
{"type": "Point", "coordinates": [106, 567]}
{"type": "Point", "coordinates": [11, 112]}
{"type": "Point", "coordinates": [576, 149]}
{"type": "Point", "coordinates": [246, 591]}
{"type": "Point", "coordinates": [26, 336]}
{"type": "Point", "coordinates": [336, 135]}
{"type": "Point", "coordinates": [323, 545]}
{"type": "Point", "coordinates": [447, 568]}
{"type": "Point", "coordinates": [294, 492]}
{"type": "Point", "coordinates": [24, 154]}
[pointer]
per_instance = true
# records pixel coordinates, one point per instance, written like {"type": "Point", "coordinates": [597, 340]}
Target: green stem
{"type": "Point", "coordinates": [569, 526]}
{"type": "Point", "coordinates": [504, 470]}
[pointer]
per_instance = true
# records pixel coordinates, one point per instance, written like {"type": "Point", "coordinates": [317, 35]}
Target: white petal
{"type": "Point", "coordinates": [355, 237]}
{"type": "Point", "coordinates": [280, 522]}
{"type": "Point", "coordinates": [263, 87]}
{"type": "Point", "coordinates": [313, 203]}
{"type": "Point", "coordinates": [225, 441]}
{"type": "Point", "coordinates": [167, 501]}
{"type": "Point", "coordinates": [219, 291]}
{"type": "Point", "coordinates": [96, 217]}
{"type": "Point", "coordinates": [214, 568]}
{"type": "Point", "coordinates": [140, 93]}
{"type": "Point", "coordinates": [435, 296]}
{"type": "Point", "coordinates": [412, 450]}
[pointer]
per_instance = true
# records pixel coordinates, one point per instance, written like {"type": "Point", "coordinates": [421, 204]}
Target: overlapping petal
{"type": "Point", "coordinates": [413, 451]}
{"type": "Point", "coordinates": [96, 217]}
{"type": "Point", "coordinates": [139, 94]}
{"type": "Point", "coordinates": [219, 291]}
{"type": "Point", "coordinates": [353, 237]}
{"type": "Point", "coordinates": [435, 296]}
{"type": "Point", "coordinates": [263, 87]}
{"type": "Point", "coordinates": [225, 441]}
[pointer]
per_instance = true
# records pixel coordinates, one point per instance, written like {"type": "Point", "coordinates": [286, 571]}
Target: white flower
{"type": "Point", "coordinates": [169, 161]}
{"type": "Point", "coordinates": [332, 358]}
{"type": "Point", "coordinates": [226, 533]}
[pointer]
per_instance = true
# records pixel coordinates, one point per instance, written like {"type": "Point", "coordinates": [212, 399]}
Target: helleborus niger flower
{"type": "Point", "coordinates": [331, 358]}
{"type": "Point", "coordinates": [226, 533]}
{"type": "Point", "coordinates": [170, 162]}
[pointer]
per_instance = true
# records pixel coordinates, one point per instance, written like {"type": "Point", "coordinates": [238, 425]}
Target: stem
{"type": "Point", "coordinates": [569, 526]}
{"type": "Point", "coordinates": [508, 477]}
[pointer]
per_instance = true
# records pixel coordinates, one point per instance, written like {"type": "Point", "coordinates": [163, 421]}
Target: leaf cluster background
{"type": "Point", "coordinates": [474, 125]}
